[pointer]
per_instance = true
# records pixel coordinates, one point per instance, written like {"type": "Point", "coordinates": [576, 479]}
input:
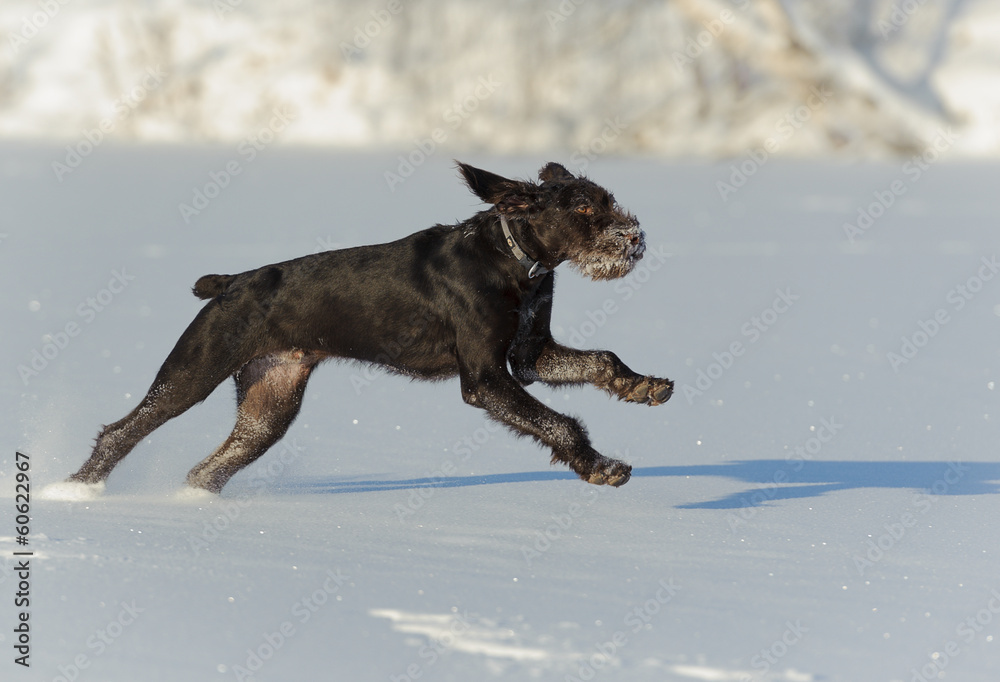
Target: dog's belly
{"type": "Point", "coordinates": [417, 347]}
{"type": "Point", "coordinates": [436, 362]}
{"type": "Point", "coordinates": [422, 367]}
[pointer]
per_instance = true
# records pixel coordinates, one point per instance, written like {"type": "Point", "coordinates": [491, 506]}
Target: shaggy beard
{"type": "Point", "coordinates": [612, 258]}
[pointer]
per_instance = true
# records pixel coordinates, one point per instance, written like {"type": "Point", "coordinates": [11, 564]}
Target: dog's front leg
{"type": "Point", "coordinates": [557, 364]}
{"type": "Point", "coordinates": [495, 391]}
{"type": "Point", "coordinates": [535, 356]}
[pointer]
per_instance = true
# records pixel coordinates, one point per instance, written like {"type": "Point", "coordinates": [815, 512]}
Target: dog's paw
{"type": "Point", "coordinates": [609, 472]}
{"type": "Point", "coordinates": [651, 391]}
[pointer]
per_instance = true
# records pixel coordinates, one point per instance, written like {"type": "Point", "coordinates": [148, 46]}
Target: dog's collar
{"type": "Point", "coordinates": [534, 268]}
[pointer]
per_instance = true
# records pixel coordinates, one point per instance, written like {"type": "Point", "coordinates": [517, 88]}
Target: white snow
{"type": "Point", "coordinates": [685, 78]}
{"type": "Point", "coordinates": [799, 510]}
{"type": "Point", "coordinates": [72, 491]}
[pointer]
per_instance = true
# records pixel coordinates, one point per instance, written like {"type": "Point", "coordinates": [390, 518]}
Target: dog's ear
{"type": "Point", "coordinates": [554, 171]}
{"type": "Point", "coordinates": [509, 196]}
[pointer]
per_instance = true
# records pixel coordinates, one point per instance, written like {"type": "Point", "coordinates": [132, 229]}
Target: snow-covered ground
{"type": "Point", "coordinates": [818, 500]}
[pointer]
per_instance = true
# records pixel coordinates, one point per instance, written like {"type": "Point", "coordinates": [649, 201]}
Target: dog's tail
{"type": "Point", "coordinates": [211, 286]}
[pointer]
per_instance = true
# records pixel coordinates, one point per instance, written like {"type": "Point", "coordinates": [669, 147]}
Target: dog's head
{"type": "Point", "coordinates": [567, 218]}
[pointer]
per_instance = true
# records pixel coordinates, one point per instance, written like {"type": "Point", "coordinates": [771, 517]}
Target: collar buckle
{"type": "Point", "coordinates": [534, 267]}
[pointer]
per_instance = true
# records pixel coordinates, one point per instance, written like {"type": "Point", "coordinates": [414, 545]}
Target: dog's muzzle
{"type": "Point", "coordinates": [634, 240]}
{"type": "Point", "coordinates": [615, 253]}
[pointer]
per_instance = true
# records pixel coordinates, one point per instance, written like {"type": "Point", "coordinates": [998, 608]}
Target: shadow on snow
{"type": "Point", "coordinates": [773, 479]}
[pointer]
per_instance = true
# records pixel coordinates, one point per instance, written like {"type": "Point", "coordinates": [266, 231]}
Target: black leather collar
{"type": "Point", "coordinates": [534, 268]}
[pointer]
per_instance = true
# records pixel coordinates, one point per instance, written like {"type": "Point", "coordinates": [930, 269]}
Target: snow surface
{"type": "Point", "coordinates": [396, 535]}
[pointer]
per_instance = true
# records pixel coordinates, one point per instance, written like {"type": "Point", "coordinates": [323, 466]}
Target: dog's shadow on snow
{"type": "Point", "coordinates": [777, 479]}
{"type": "Point", "coordinates": [772, 479]}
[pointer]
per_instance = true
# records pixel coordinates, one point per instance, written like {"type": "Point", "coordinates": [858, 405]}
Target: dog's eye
{"type": "Point", "coordinates": [584, 210]}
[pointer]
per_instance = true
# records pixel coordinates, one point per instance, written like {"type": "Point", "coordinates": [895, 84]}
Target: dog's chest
{"type": "Point", "coordinates": [528, 314]}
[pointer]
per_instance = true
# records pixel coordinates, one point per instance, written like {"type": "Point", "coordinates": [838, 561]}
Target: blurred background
{"type": "Point", "coordinates": [684, 78]}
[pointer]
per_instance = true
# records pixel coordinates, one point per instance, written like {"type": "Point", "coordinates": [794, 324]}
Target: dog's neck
{"type": "Point", "coordinates": [534, 267]}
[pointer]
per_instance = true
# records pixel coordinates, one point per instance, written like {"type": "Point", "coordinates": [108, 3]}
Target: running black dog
{"type": "Point", "coordinates": [465, 299]}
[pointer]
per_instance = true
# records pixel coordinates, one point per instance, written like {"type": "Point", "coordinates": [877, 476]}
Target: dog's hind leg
{"type": "Point", "coordinates": [269, 393]}
{"type": "Point", "coordinates": [116, 440]}
{"type": "Point", "coordinates": [190, 373]}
